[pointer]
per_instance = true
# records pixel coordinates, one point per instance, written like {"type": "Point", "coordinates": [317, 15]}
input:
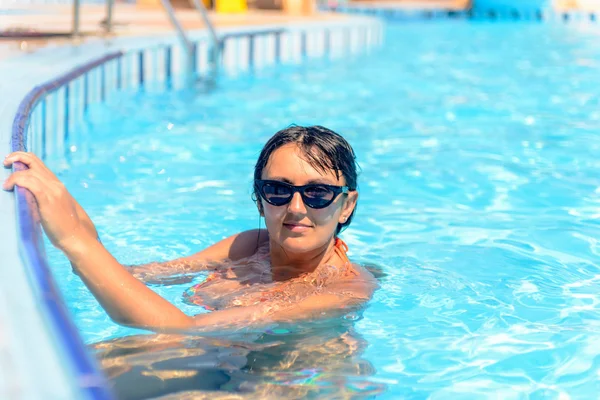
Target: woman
{"type": "Point", "coordinates": [305, 188]}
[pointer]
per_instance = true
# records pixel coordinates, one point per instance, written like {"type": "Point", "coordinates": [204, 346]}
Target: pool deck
{"type": "Point", "coordinates": [128, 20]}
{"type": "Point", "coordinates": [144, 20]}
{"type": "Point", "coordinates": [456, 5]}
{"type": "Point", "coordinates": [140, 20]}
{"type": "Point", "coordinates": [577, 5]}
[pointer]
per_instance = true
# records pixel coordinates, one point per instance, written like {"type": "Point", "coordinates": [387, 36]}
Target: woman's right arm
{"type": "Point", "coordinates": [127, 300]}
{"type": "Point", "coordinates": [70, 219]}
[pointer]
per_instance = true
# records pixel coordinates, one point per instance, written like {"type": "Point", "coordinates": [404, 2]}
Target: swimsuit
{"type": "Point", "coordinates": [341, 248]}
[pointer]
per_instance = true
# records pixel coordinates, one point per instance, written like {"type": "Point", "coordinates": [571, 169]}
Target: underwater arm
{"type": "Point", "coordinates": [233, 248]}
{"type": "Point", "coordinates": [335, 299]}
{"type": "Point", "coordinates": [315, 306]}
{"type": "Point", "coordinates": [173, 272]}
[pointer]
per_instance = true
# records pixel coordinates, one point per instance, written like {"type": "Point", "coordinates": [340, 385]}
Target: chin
{"type": "Point", "coordinates": [297, 243]}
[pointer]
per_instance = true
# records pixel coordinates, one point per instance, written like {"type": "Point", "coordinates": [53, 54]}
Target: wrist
{"type": "Point", "coordinates": [91, 228]}
{"type": "Point", "coordinates": [77, 245]}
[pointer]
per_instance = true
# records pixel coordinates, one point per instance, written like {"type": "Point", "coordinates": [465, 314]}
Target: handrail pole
{"type": "Point", "coordinates": [76, 9]}
{"type": "Point", "coordinates": [187, 44]}
{"type": "Point", "coordinates": [109, 14]}
{"type": "Point", "coordinates": [215, 49]}
{"type": "Point", "coordinates": [204, 12]}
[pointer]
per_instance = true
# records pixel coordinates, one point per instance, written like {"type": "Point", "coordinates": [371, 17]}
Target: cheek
{"type": "Point", "coordinates": [272, 212]}
{"type": "Point", "coordinates": [325, 216]}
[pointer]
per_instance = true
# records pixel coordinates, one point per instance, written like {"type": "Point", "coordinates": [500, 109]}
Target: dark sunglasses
{"type": "Point", "coordinates": [315, 195]}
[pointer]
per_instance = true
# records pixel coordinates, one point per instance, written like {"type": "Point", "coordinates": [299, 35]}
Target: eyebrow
{"type": "Point", "coordinates": [318, 181]}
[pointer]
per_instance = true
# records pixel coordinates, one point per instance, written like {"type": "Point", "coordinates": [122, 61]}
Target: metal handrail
{"type": "Point", "coordinates": [188, 46]}
{"type": "Point", "coordinates": [109, 13]}
{"type": "Point", "coordinates": [76, 7]}
{"type": "Point", "coordinates": [214, 52]}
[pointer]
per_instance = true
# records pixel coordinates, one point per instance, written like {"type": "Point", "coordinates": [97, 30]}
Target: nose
{"type": "Point", "coordinates": [296, 204]}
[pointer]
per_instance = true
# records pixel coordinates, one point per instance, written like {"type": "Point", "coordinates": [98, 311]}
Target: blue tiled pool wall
{"type": "Point", "coordinates": [517, 10]}
{"type": "Point", "coordinates": [48, 119]}
{"type": "Point", "coordinates": [540, 10]}
{"type": "Point", "coordinates": [511, 4]}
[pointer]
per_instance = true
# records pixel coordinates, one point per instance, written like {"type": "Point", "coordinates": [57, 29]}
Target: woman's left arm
{"type": "Point", "coordinates": [334, 299]}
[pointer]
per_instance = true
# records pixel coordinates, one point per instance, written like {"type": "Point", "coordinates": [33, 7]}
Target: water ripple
{"type": "Point", "coordinates": [478, 205]}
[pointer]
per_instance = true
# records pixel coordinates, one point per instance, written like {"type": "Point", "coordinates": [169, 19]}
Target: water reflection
{"type": "Point", "coordinates": [320, 359]}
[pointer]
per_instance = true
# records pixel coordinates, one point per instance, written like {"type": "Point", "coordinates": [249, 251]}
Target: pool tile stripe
{"type": "Point", "coordinates": [492, 14]}
{"type": "Point", "coordinates": [43, 129]}
{"type": "Point", "coordinates": [141, 68]}
{"type": "Point", "coordinates": [66, 115]}
{"type": "Point", "coordinates": [103, 82]}
{"type": "Point", "coordinates": [277, 47]}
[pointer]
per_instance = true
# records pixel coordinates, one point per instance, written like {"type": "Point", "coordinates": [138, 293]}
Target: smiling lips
{"type": "Point", "coordinates": [296, 227]}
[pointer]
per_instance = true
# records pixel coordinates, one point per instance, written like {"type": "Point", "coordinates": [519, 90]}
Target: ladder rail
{"type": "Point", "coordinates": [214, 52]}
{"type": "Point", "coordinates": [187, 44]}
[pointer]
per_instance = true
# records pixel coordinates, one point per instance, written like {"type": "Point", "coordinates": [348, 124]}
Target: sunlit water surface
{"type": "Point", "coordinates": [479, 198]}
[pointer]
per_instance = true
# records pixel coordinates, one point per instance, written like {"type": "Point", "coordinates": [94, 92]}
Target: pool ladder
{"type": "Point", "coordinates": [214, 50]}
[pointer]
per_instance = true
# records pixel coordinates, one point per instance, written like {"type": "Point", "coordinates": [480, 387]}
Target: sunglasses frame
{"type": "Point", "coordinates": [259, 184]}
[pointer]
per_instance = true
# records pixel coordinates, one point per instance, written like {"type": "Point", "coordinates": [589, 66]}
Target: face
{"type": "Point", "coordinates": [294, 226]}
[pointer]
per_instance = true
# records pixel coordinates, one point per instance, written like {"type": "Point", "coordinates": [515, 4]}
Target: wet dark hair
{"type": "Point", "coordinates": [324, 150]}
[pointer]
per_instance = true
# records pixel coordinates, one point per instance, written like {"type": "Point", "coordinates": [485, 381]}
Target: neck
{"type": "Point", "coordinates": [285, 265]}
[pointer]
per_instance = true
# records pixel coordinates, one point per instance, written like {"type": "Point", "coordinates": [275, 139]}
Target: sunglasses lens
{"type": "Point", "coordinates": [318, 196]}
{"type": "Point", "coordinates": [314, 196]}
{"type": "Point", "coordinates": [276, 194]}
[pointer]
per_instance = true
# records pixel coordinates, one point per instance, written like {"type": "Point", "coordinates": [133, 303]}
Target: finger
{"type": "Point", "coordinates": [12, 157]}
{"type": "Point", "coordinates": [26, 158]}
{"type": "Point", "coordinates": [51, 183]}
{"type": "Point", "coordinates": [25, 180]}
{"type": "Point", "coordinates": [29, 159]}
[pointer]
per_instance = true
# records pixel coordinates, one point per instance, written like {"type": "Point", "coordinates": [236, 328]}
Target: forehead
{"type": "Point", "coordinates": [290, 162]}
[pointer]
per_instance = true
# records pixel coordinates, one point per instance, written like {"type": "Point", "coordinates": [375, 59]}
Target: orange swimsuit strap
{"type": "Point", "coordinates": [341, 248]}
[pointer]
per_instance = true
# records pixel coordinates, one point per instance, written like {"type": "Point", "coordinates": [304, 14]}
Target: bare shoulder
{"type": "Point", "coordinates": [247, 243]}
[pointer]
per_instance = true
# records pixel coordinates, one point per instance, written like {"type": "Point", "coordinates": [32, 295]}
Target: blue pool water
{"type": "Point", "coordinates": [479, 199]}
